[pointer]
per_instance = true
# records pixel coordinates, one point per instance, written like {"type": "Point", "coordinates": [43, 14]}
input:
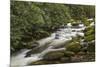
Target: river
{"type": "Point", "coordinates": [65, 34]}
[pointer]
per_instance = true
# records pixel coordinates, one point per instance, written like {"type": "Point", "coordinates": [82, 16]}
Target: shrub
{"type": "Point", "coordinates": [90, 37]}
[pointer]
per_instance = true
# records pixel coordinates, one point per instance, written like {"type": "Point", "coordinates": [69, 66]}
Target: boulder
{"type": "Point", "coordinates": [76, 58]}
{"type": "Point", "coordinates": [37, 62]}
{"type": "Point", "coordinates": [81, 53]}
{"type": "Point", "coordinates": [91, 48]}
{"type": "Point", "coordinates": [55, 55]}
{"type": "Point", "coordinates": [74, 47]}
{"type": "Point", "coordinates": [65, 59]}
{"type": "Point", "coordinates": [41, 62]}
{"type": "Point", "coordinates": [32, 45]}
{"type": "Point", "coordinates": [69, 53]}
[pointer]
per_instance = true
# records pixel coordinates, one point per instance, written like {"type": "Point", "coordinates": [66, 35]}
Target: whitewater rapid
{"type": "Point", "coordinates": [65, 35]}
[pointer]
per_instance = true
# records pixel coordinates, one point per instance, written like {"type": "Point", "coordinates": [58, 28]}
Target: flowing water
{"type": "Point", "coordinates": [65, 35]}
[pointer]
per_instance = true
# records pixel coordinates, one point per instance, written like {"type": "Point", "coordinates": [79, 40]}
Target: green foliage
{"type": "Point", "coordinates": [90, 34]}
{"type": "Point", "coordinates": [89, 11]}
{"type": "Point", "coordinates": [79, 12]}
{"type": "Point", "coordinates": [90, 37]}
{"type": "Point", "coordinates": [25, 19]}
{"type": "Point", "coordinates": [33, 21]}
{"type": "Point", "coordinates": [89, 30]}
{"type": "Point", "coordinates": [86, 23]}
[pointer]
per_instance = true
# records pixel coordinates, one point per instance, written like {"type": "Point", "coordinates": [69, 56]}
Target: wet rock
{"type": "Point", "coordinates": [28, 54]}
{"type": "Point", "coordinates": [81, 53]}
{"type": "Point", "coordinates": [53, 55]}
{"type": "Point", "coordinates": [69, 53]}
{"type": "Point", "coordinates": [84, 49]}
{"type": "Point", "coordinates": [32, 45]}
{"type": "Point", "coordinates": [65, 59]}
{"type": "Point", "coordinates": [91, 47]}
{"type": "Point", "coordinates": [37, 63]}
{"type": "Point", "coordinates": [36, 50]}
{"type": "Point", "coordinates": [76, 58]}
{"type": "Point", "coordinates": [41, 62]}
{"type": "Point", "coordinates": [75, 24]}
{"type": "Point", "coordinates": [88, 57]}
{"type": "Point", "coordinates": [39, 49]}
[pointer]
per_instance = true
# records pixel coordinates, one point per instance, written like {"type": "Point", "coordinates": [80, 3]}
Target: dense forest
{"type": "Point", "coordinates": [32, 21]}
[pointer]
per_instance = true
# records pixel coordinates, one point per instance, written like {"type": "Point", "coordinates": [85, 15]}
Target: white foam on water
{"type": "Point", "coordinates": [65, 35]}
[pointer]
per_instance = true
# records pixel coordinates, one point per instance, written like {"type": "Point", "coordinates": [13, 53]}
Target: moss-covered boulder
{"type": "Point", "coordinates": [85, 21]}
{"type": "Point", "coordinates": [90, 37]}
{"type": "Point", "coordinates": [74, 47]}
{"type": "Point", "coordinates": [69, 53]}
{"type": "Point", "coordinates": [90, 30]}
{"type": "Point", "coordinates": [90, 34]}
{"type": "Point", "coordinates": [55, 55]}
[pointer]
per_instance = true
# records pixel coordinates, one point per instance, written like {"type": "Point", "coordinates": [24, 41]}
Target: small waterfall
{"type": "Point", "coordinates": [45, 51]}
{"type": "Point", "coordinates": [65, 35]}
{"type": "Point", "coordinates": [50, 50]}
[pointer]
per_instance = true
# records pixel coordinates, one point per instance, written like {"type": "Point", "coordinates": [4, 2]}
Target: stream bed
{"type": "Point", "coordinates": [64, 35]}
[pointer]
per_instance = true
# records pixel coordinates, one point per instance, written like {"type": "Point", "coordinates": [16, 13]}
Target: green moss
{"type": "Point", "coordinates": [74, 47]}
{"type": "Point", "coordinates": [90, 37]}
{"type": "Point", "coordinates": [90, 34]}
{"type": "Point", "coordinates": [85, 21]}
{"type": "Point", "coordinates": [90, 30]}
